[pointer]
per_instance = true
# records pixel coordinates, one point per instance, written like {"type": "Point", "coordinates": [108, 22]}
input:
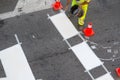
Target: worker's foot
{"type": "Point", "coordinates": [80, 22]}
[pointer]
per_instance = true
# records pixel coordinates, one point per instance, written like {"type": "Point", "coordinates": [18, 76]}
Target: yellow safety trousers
{"type": "Point", "coordinates": [84, 8]}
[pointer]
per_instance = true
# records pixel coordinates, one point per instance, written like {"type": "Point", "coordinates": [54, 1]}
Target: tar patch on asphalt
{"type": "Point", "coordinates": [98, 71]}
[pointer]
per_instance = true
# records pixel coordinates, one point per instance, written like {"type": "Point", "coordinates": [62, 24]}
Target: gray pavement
{"type": "Point", "coordinates": [48, 54]}
{"type": "Point", "coordinates": [7, 5]}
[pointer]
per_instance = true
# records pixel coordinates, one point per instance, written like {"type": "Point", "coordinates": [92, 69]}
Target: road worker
{"type": "Point", "coordinates": [82, 5]}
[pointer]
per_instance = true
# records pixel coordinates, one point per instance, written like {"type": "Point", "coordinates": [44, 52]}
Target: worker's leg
{"type": "Point", "coordinates": [82, 19]}
{"type": "Point", "coordinates": [73, 3]}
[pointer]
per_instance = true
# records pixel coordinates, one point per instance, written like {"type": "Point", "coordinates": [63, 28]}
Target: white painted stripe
{"type": "Point", "coordinates": [86, 56]}
{"type": "Point", "coordinates": [64, 25]}
{"type": "Point", "coordinates": [28, 6]}
{"type": "Point", "coordinates": [15, 64]}
{"type": "Point", "coordinates": [3, 79]}
{"type": "Point", "coordinates": [105, 77]}
{"type": "Point", "coordinates": [6, 15]}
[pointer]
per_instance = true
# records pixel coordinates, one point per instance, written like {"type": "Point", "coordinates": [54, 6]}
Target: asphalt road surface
{"type": "Point", "coordinates": [7, 5]}
{"type": "Point", "coordinates": [46, 52]}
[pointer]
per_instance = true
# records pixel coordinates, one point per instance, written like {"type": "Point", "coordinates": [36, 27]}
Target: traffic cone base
{"type": "Point", "coordinates": [88, 32]}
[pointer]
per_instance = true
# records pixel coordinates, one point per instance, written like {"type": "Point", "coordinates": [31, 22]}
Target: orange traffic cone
{"type": "Point", "coordinates": [57, 5]}
{"type": "Point", "coordinates": [88, 32]}
{"type": "Point", "coordinates": [118, 71]}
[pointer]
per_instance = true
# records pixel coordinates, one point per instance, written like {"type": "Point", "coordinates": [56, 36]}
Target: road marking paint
{"type": "Point", "coordinates": [27, 6]}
